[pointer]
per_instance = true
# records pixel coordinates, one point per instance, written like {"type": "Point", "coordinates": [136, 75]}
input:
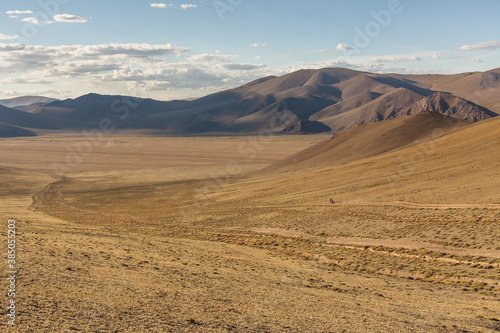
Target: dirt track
{"type": "Point", "coordinates": [390, 203]}
{"type": "Point", "coordinates": [420, 205]}
{"type": "Point", "coordinates": [52, 195]}
{"type": "Point", "coordinates": [407, 244]}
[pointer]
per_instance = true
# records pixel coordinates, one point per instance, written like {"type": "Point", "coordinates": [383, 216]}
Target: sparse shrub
{"type": "Point", "coordinates": [477, 285]}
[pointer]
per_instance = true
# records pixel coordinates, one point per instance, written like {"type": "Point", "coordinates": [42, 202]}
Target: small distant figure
{"type": "Point", "coordinates": [331, 201]}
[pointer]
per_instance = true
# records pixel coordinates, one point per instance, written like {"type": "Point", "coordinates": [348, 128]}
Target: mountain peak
{"type": "Point", "coordinates": [450, 105]}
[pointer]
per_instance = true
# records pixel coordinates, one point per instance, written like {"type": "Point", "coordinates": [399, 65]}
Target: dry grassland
{"type": "Point", "coordinates": [179, 235]}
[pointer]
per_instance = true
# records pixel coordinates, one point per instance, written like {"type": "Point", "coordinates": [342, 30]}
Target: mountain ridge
{"type": "Point", "coordinates": [338, 98]}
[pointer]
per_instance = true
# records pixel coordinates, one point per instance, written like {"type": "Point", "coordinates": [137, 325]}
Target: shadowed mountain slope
{"type": "Point", "coordinates": [9, 131]}
{"type": "Point", "coordinates": [373, 139]}
{"type": "Point", "coordinates": [23, 119]}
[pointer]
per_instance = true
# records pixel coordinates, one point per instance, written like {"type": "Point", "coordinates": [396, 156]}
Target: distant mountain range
{"type": "Point", "coordinates": [306, 101]}
{"type": "Point", "coordinates": [25, 103]}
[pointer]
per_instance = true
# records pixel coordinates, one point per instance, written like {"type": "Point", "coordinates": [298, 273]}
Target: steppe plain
{"type": "Point", "coordinates": [135, 233]}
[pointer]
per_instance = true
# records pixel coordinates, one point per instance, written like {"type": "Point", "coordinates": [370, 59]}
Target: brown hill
{"type": "Point", "coordinates": [426, 158]}
{"type": "Point", "coordinates": [372, 139]}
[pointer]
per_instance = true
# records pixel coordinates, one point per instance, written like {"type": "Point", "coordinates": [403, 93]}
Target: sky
{"type": "Point", "coordinates": [190, 48]}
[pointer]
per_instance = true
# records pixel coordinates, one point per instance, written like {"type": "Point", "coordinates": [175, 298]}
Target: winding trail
{"type": "Point", "coordinates": [389, 243]}
{"type": "Point", "coordinates": [420, 205]}
{"type": "Point", "coordinates": [52, 195]}
{"type": "Point", "coordinates": [387, 203]}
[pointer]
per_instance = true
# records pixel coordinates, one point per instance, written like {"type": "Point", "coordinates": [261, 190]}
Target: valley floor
{"type": "Point", "coordinates": [147, 236]}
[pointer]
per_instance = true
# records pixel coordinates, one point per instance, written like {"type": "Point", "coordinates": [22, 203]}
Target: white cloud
{"type": "Point", "coordinates": [69, 18]}
{"type": "Point", "coordinates": [118, 67]}
{"type": "Point", "coordinates": [456, 57]}
{"type": "Point", "coordinates": [18, 12]}
{"type": "Point", "coordinates": [477, 60]}
{"type": "Point", "coordinates": [258, 45]}
{"type": "Point", "coordinates": [7, 37]}
{"type": "Point", "coordinates": [186, 6]}
{"type": "Point", "coordinates": [360, 64]}
{"type": "Point", "coordinates": [210, 57]}
{"type": "Point", "coordinates": [46, 92]}
{"type": "Point", "coordinates": [158, 5]}
{"type": "Point", "coordinates": [436, 56]}
{"type": "Point", "coordinates": [318, 51]}
{"type": "Point", "coordinates": [324, 64]}
{"type": "Point", "coordinates": [128, 50]}
{"type": "Point", "coordinates": [157, 71]}
{"type": "Point", "coordinates": [242, 67]}
{"type": "Point", "coordinates": [76, 59]}
{"type": "Point", "coordinates": [395, 60]}
{"type": "Point", "coordinates": [164, 5]}
{"type": "Point", "coordinates": [343, 47]}
{"type": "Point", "coordinates": [481, 46]}
{"type": "Point", "coordinates": [23, 80]}
{"type": "Point", "coordinates": [31, 20]}
{"type": "Point", "coordinates": [11, 47]}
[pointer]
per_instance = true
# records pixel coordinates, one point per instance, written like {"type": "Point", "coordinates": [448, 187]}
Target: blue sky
{"type": "Point", "coordinates": [189, 48]}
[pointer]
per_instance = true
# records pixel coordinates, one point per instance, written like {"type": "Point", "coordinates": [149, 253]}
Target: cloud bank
{"type": "Point", "coordinates": [136, 67]}
{"type": "Point", "coordinates": [7, 37]}
{"type": "Point", "coordinates": [481, 46]}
